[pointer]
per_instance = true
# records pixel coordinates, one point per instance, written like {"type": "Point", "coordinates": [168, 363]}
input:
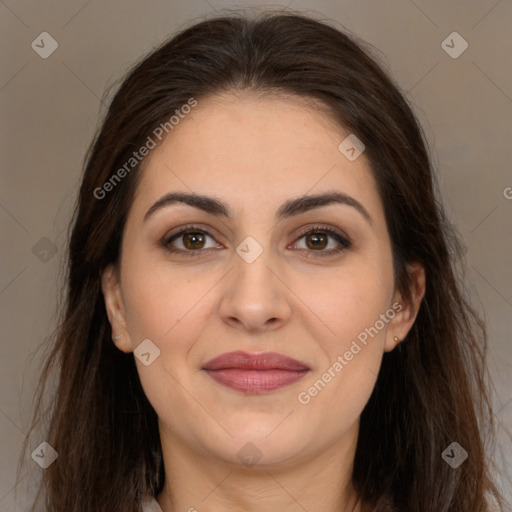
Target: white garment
{"type": "Point", "coordinates": [151, 505]}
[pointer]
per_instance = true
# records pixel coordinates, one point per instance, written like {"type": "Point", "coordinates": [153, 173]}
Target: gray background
{"type": "Point", "coordinates": [51, 109]}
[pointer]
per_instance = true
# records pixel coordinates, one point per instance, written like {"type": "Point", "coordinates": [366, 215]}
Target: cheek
{"type": "Point", "coordinates": [170, 308]}
{"type": "Point", "coordinates": [355, 308]}
{"type": "Point", "coordinates": [160, 300]}
{"type": "Point", "coordinates": [350, 301]}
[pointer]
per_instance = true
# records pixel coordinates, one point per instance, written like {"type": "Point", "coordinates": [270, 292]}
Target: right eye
{"type": "Point", "coordinates": [190, 241]}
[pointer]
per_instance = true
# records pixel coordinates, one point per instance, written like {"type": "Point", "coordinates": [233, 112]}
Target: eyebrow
{"type": "Point", "coordinates": [288, 209]}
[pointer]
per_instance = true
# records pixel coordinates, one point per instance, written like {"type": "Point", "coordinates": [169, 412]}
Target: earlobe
{"type": "Point", "coordinates": [114, 306]}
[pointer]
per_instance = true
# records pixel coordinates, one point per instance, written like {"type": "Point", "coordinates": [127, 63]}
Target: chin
{"type": "Point", "coordinates": [259, 445]}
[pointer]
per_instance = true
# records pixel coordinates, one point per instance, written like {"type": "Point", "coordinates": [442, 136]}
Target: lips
{"type": "Point", "coordinates": [245, 361]}
{"type": "Point", "coordinates": [255, 373]}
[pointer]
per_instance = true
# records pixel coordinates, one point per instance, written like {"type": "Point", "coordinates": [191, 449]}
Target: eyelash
{"type": "Point", "coordinates": [344, 242]}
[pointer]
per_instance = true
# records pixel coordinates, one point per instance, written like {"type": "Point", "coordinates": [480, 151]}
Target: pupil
{"type": "Point", "coordinates": [194, 239]}
{"type": "Point", "coordinates": [317, 240]}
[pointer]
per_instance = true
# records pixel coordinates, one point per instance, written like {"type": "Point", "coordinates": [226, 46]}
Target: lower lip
{"type": "Point", "coordinates": [255, 381]}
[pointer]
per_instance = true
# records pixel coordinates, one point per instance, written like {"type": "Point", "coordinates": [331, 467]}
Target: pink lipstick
{"type": "Point", "coordinates": [255, 373]}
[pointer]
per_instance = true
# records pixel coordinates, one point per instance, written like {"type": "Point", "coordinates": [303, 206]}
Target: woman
{"type": "Point", "coordinates": [262, 309]}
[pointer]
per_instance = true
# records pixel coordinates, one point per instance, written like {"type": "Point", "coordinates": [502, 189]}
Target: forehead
{"type": "Point", "coordinates": [255, 152]}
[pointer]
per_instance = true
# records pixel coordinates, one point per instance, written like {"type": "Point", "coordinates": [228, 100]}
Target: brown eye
{"type": "Point", "coordinates": [190, 241]}
{"type": "Point", "coordinates": [193, 240]}
{"type": "Point", "coordinates": [317, 241]}
{"type": "Point", "coordinates": [322, 241]}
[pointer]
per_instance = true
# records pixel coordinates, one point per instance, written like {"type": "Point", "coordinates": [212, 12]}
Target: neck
{"type": "Point", "coordinates": [198, 482]}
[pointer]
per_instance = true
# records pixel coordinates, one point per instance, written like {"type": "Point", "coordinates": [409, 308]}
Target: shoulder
{"type": "Point", "coordinates": [150, 505]}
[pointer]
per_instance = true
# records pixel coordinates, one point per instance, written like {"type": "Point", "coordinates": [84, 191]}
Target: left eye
{"type": "Point", "coordinates": [318, 240]}
{"type": "Point", "coordinates": [191, 240]}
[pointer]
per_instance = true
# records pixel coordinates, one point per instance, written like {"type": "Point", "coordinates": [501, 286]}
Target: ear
{"type": "Point", "coordinates": [406, 311]}
{"type": "Point", "coordinates": [114, 305]}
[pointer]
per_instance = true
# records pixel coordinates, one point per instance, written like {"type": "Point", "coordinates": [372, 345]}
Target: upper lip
{"type": "Point", "coordinates": [262, 361]}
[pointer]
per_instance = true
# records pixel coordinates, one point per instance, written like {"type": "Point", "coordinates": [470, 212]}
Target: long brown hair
{"type": "Point", "coordinates": [429, 393]}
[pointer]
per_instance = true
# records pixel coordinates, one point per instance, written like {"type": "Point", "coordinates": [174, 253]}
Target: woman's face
{"type": "Point", "coordinates": [251, 280]}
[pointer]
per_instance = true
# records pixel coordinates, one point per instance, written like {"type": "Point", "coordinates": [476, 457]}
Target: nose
{"type": "Point", "coordinates": [255, 299]}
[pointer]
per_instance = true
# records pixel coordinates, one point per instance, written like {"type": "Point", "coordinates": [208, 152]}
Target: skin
{"type": "Point", "coordinates": [254, 153]}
